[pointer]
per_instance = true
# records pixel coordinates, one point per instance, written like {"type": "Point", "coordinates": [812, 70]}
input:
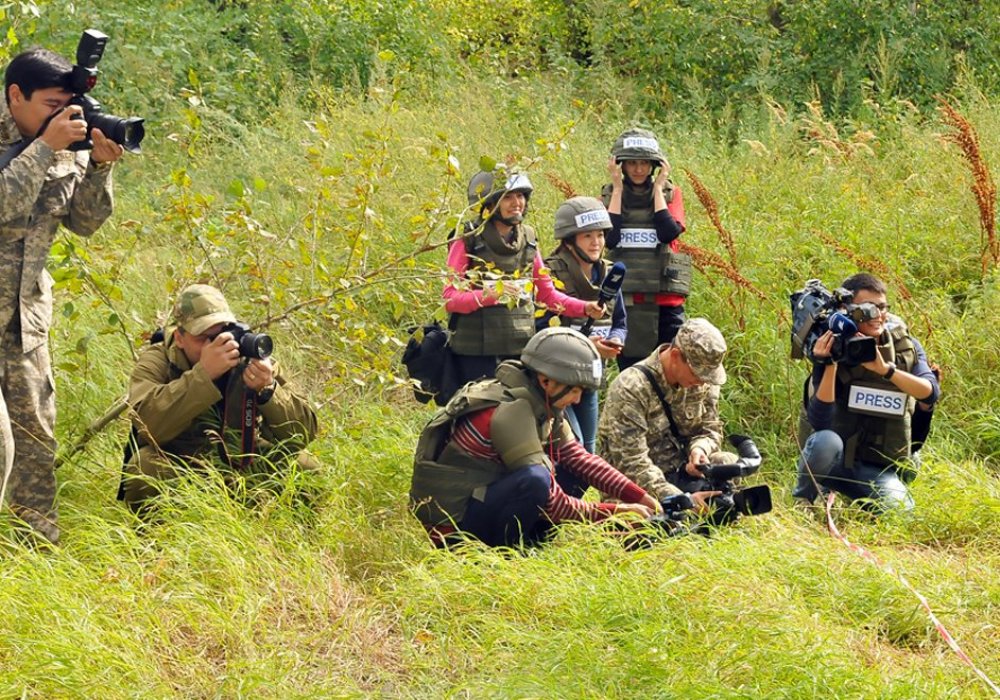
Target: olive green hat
{"type": "Point", "coordinates": [581, 214]}
{"type": "Point", "coordinates": [200, 307]}
{"type": "Point", "coordinates": [565, 356]}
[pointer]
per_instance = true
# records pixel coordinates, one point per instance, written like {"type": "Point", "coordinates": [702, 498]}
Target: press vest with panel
{"type": "Point", "coordinates": [875, 439]}
{"type": "Point", "coordinates": [567, 270]}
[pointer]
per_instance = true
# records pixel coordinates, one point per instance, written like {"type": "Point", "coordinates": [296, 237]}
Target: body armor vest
{"type": "Point", "coordinates": [875, 439]}
{"type": "Point", "coordinates": [445, 477]}
{"type": "Point", "coordinates": [651, 266]}
{"type": "Point", "coordinates": [566, 269]}
{"type": "Point", "coordinates": [500, 329]}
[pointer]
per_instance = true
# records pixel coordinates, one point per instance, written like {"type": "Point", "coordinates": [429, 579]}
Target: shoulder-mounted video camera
{"type": "Point", "coordinates": [128, 133]}
{"type": "Point", "coordinates": [731, 503]}
{"type": "Point", "coordinates": [815, 310]}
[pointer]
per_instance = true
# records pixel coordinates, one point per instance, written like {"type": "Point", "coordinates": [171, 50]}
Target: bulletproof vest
{"type": "Point", "coordinates": [445, 477]}
{"type": "Point", "coordinates": [863, 398]}
{"type": "Point", "coordinates": [652, 267]}
{"type": "Point", "coordinates": [566, 269]}
{"type": "Point", "coordinates": [499, 329]}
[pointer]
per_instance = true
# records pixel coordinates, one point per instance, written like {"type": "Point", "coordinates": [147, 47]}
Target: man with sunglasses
{"type": "Point", "coordinates": [192, 395]}
{"type": "Point", "coordinates": [856, 424]}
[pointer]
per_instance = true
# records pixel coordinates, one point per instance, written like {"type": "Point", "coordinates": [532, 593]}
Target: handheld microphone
{"type": "Point", "coordinates": [610, 287]}
{"type": "Point", "coordinates": [842, 324]}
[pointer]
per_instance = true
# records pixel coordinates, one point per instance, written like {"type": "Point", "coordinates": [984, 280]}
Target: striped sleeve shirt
{"type": "Point", "coordinates": [471, 434]}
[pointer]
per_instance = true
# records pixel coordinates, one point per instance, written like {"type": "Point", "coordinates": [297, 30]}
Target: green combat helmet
{"type": "Point", "coordinates": [564, 356]}
{"type": "Point", "coordinates": [637, 144]}
{"type": "Point", "coordinates": [581, 214]}
{"type": "Point", "coordinates": [483, 188]}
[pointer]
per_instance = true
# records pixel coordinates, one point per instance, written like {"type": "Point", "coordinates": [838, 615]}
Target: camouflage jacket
{"type": "Point", "coordinates": [634, 432]}
{"type": "Point", "coordinates": [178, 408]}
{"type": "Point", "coordinates": [40, 189]}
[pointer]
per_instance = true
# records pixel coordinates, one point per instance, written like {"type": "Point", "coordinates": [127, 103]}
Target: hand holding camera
{"type": "Point", "coordinates": [220, 355]}
{"type": "Point", "coordinates": [63, 128]}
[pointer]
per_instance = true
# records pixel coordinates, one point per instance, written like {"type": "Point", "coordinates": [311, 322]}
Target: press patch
{"type": "Point", "coordinates": [598, 369]}
{"type": "Point", "coordinates": [589, 218]}
{"type": "Point", "coordinates": [639, 238]}
{"type": "Point", "coordinates": [641, 142]}
{"type": "Point", "coordinates": [881, 402]}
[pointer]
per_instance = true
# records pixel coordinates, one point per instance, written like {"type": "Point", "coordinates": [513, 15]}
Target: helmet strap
{"type": "Point", "coordinates": [583, 256]}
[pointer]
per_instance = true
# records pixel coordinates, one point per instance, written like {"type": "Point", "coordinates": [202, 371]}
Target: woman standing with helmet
{"type": "Point", "coordinates": [581, 226]}
{"type": "Point", "coordinates": [486, 329]}
{"type": "Point", "coordinates": [484, 465]}
{"type": "Point", "coordinates": [647, 216]}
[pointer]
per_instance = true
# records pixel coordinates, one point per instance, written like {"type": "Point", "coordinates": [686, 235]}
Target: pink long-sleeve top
{"type": "Point", "coordinates": [465, 301]}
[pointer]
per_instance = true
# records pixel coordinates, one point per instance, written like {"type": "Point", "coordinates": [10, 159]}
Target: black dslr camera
{"type": "Point", "coordinates": [815, 310]}
{"type": "Point", "coordinates": [256, 346]}
{"type": "Point", "coordinates": [128, 133]}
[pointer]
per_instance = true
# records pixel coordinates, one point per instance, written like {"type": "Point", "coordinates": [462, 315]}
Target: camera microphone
{"type": "Point", "coordinates": [610, 287]}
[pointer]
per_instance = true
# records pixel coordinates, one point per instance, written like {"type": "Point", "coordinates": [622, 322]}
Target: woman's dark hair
{"type": "Point", "coordinates": [864, 280]}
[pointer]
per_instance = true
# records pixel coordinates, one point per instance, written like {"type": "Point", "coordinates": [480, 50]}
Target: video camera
{"type": "Point", "coordinates": [731, 503]}
{"type": "Point", "coordinates": [815, 310]}
{"type": "Point", "coordinates": [128, 133]}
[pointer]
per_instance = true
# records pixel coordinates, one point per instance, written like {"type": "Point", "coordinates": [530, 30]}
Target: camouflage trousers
{"type": "Point", "coordinates": [27, 433]}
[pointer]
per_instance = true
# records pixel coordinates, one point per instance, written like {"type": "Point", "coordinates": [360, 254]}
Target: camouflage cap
{"type": "Point", "coordinates": [200, 307]}
{"type": "Point", "coordinates": [703, 347]}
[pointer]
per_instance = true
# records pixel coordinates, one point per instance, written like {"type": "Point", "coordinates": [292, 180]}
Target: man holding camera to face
{"type": "Point", "coordinates": [42, 185]}
{"type": "Point", "coordinates": [859, 422]}
{"type": "Point", "coordinates": [210, 389]}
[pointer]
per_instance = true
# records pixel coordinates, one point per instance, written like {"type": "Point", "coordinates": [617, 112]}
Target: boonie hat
{"type": "Point", "coordinates": [703, 347]}
{"type": "Point", "coordinates": [200, 307]}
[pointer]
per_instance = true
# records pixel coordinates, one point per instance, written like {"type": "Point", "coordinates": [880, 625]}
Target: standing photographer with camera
{"type": "Point", "coordinates": [203, 381]}
{"type": "Point", "coordinates": [855, 425]}
{"type": "Point", "coordinates": [42, 185]}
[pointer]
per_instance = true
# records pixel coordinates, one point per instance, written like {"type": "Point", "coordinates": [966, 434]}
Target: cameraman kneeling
{"type": "Point", "coordinates": [855, 427]}
{"type": "Point", "coordinates": [193, 387]}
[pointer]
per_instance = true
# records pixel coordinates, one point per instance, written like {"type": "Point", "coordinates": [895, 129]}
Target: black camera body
{"type": "Point", "coordinates": [128, 133]}
{"type": "Point", "coordinates": [255, 346]}
{"type": "Point", "coordinates": [815, 310]}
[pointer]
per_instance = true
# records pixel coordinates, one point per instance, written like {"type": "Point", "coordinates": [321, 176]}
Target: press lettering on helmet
{"type": "Point", "coordinates": [641, 142]}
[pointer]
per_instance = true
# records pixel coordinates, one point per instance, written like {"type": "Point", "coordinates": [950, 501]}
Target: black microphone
{"type": "Point", "coordinates": [610, 287]}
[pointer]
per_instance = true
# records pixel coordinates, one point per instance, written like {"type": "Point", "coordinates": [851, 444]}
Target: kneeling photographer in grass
{"type": "Point", "coordinates": [856, 423]}
{"type": "Point", "coordinates": [209, 389]}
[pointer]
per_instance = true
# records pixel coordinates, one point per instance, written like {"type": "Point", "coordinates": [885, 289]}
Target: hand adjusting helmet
{"type": "Point", "coordinates": [486, 188]}
{"type": "Point", "coordinates": [638, 144]}
{"type": "Point", "coordinates": [579, 215]}
{"type": "Point", "coordinates": [565, 356]}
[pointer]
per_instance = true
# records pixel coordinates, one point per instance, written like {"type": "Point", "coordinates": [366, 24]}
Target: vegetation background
{"type": "Point", "coordinates": [310, 157]}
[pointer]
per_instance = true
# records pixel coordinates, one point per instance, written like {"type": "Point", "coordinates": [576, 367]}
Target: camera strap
{"type": "Point", "coordinates": [248, 427]}
{"type": "Point", "coordinates": [651, 376]}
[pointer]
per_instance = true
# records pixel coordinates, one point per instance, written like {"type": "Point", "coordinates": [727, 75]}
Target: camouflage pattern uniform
{"type": "Point", "coordinates": [39, 189]}
{"type": "Point", "coordinates": [178, 410]}
{"type": "Point", "coordinates": [634, 432]}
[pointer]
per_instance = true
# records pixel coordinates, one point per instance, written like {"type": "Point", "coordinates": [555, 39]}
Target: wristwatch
{"type": "Point", "coordinates": [265, 394]}
{"type": "Point", "coordinates": [889, 372]}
